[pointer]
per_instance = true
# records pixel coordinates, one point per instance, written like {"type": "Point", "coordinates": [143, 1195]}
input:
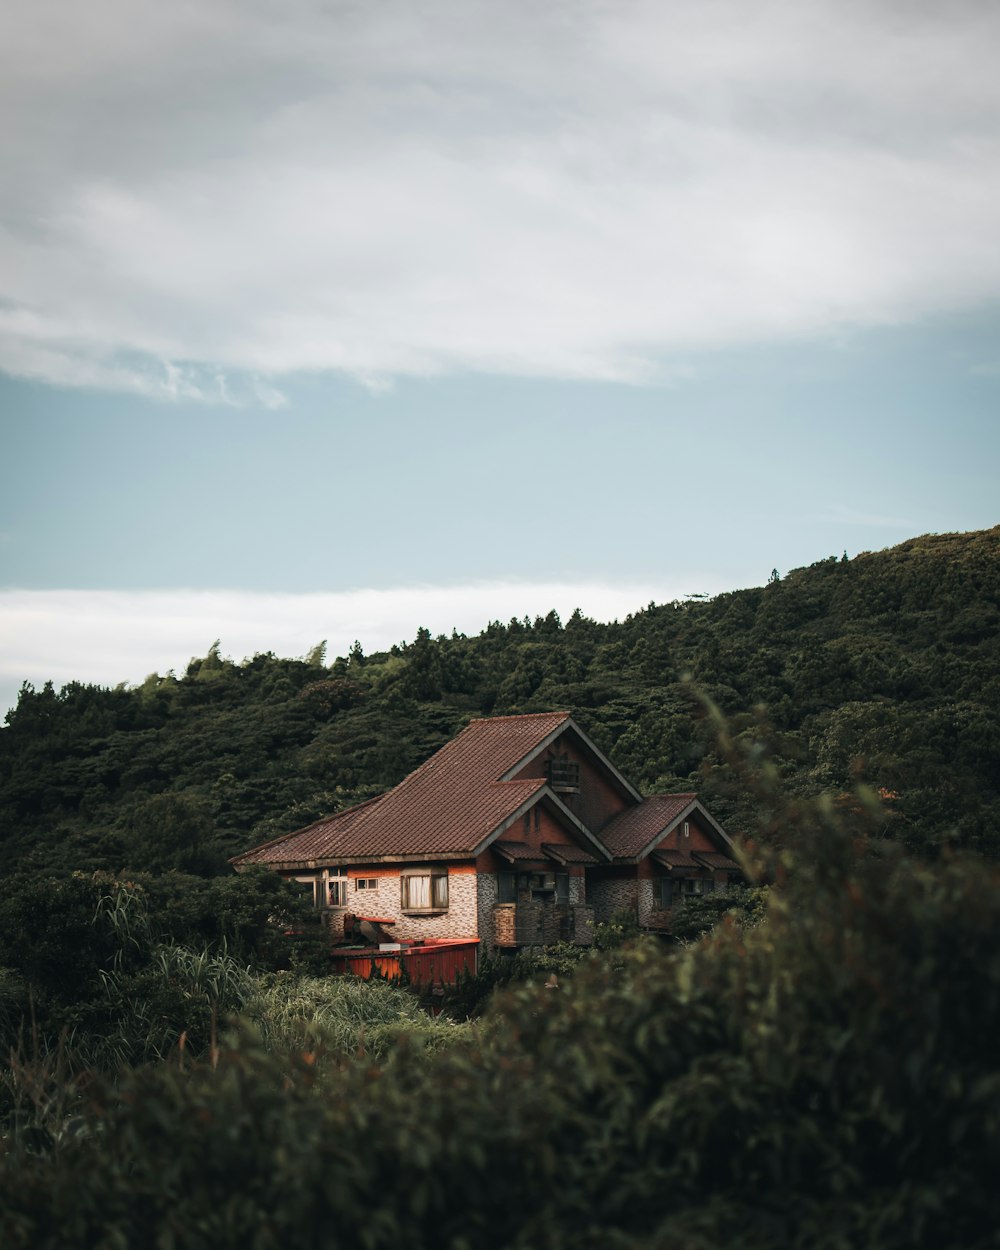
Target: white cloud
{"type": "Point", "coordinates": [195, 191]}
{"type": "Point", "coordinates": [107, 637]}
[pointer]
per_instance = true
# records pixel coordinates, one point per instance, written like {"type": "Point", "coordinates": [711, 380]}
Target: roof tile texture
{"type": "Point", "coordinates": [715, 859]}
{"type": "Point", "coordinates": [675, 859]}
{"type": "Point", "coordinates": [568, 854]}
{"type": "Point", "coordinates": [514, 850]}
{"type": "Point", "coordinates": [631, 831]}
{"type": "Point", "coordinates": [447, 806]}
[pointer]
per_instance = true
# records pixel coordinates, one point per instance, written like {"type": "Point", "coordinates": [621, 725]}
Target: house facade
{"type": "Point", "coordinates": [519, 832]}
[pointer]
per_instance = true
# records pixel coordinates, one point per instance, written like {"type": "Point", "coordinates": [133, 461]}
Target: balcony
{"type": "Point", "coordinates": [564, 776]}
{"type": "Point", "coordinates": [542, 924]}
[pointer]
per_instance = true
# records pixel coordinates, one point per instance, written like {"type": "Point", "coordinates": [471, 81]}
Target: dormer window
{"type": "Point", "coordinates": [564, 775]}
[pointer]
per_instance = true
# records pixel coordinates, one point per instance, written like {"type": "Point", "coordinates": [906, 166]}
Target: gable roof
{"type": "Point", "coordinates": [453, 804]}
{"type": "Point", "coordinates": [629, 833]}
{"type": "Point", "coordinates": [306, 844]}
{"type": "Point", "coordinates": [568, 723]}
{"type": "Point", "coordinates": [634, 833]}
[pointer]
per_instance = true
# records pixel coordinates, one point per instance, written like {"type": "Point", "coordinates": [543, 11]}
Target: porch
{"type": "Point", "coordinates": [542, 924]}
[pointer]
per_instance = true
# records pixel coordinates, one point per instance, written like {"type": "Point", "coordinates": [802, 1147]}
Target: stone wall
{"type": "Point", "coordinates": [649, 899]}
{"type": "Point", "coordinates": [384, 902]}
{"type": "Point", "coordinates": [460, 920]}
{"type": "Point", "coordinates": [582, 926]}
{"type": "Point", "coordinates": [487, 894]}
{"type": "Point", "coordinates": [611, 895]}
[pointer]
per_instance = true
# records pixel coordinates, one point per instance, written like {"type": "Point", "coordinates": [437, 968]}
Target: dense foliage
{"type": "Point", "coordinates": [820, 1072]}
{"type": "Point", "coordinates": [122, 967]}
{"type": "Point", "coordinates": [828, 1078]}
{"type": "Point", "coordinates": [885, 666]}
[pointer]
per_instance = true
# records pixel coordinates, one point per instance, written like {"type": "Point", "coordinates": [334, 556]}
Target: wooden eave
{"type": "Point", "coordinates": [694, 806]}
{"type": "Point", "coordinates": [347, 861]}
{"type": "Point", "coordinates": [545, 793]}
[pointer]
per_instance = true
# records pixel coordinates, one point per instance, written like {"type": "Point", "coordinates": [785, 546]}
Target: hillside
{"type": "Point", "coordinates": [884, 667]}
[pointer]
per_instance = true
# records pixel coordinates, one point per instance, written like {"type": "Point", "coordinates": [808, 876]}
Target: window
{"type": "Point", "coordinates": [563, 774]}
{"type": "Point", "coordinates": [366, 883]}
{"type": "Point", "coordinates": [309, 889]}
{"type": "Point", "coordinates": [424, 889]}
{"type": "Point", "coordinates": [675, 890]}
{"type": "Point", "coordinates": [337, 889]}
{"type": "Point", "coordinates": [543, 886]}
{"type": "Point", "coordinates": [506, 887]}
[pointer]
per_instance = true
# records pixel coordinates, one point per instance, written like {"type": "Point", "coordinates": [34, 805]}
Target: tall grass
{"type": "Point", "coordinates": [346, 1016]}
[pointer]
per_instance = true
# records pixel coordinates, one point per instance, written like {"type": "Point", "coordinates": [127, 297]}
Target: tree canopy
{"type": "Point", "coordinates": [885, 667]}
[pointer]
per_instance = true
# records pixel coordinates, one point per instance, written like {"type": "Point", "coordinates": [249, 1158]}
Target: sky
{"type": "Point", "coordinates": [326, 320]}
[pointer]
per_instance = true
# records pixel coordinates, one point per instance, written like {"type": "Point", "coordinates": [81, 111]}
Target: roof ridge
{"type": "Point", "coordinates": [478, 720]}
{"type": "Point", "coordinates": [433, 760]}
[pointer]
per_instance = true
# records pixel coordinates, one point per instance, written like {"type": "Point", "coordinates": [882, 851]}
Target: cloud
{"type": "Point", "coordinates": [202, 198]}
{"type": "Point", "coordinates": [107, 637]}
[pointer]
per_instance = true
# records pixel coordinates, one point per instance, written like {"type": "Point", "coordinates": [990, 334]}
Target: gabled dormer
{"type": "Point", "coordinates": [579, 772]}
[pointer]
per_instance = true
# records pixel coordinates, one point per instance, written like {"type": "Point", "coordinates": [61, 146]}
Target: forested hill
{"type": "Point", "coordinates": [884, 667]}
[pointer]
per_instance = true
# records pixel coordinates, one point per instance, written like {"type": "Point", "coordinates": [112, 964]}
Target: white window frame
{"type": "Point", "coordinates": [336, 890]}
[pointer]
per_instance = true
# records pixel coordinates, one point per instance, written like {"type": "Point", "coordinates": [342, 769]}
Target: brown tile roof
{"type": "Point", "coordinates": [448, 806]}
{"type": "Point", "coordinates": [675, 859]}
{"type": "Point", "coordinates": [308, 843]}
{"type": "Point", "coordinates": [514, 851]}
{"type": "Point", "coordinates": [715, 859]}
{"type": "Point", "coordinates": [631, 831]}
{"type": "Point", "coordinates": [563, 853]}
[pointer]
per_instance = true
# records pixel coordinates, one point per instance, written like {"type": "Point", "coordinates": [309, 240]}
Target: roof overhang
{"type": "Point", "coordinates": [241, 860]}
{"type": "Point", "coordinates": [347, 861]}
{"type": "Point", "coordinates": [694, 806]}
{"type": "Point", "coordinates": [514, 852]}
{"type": "Point", "coordinates": [545, 792]}
{"type": "Point", "coordinates": [546, 742]}
{"type": "Point", "coordinates": [567, 855]}
{"type": "Point", "coordinates": [672, 860]}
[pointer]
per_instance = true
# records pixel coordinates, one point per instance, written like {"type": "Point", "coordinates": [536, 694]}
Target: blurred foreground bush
{"type": "Point", "coordinates": [828, 1078]}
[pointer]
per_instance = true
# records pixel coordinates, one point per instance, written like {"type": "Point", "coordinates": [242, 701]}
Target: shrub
{"type": "Point", "coordinates": [827, 1078]}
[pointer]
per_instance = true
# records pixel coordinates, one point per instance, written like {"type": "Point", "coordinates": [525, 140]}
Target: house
{"type": "Point", "coordinates": [519, 832]}
{"type": "Point", "coordinates": [663, 850]}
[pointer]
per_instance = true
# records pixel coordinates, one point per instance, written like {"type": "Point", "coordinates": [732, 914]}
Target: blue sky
{"type": "Point", "coordinates": [331, 321]}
